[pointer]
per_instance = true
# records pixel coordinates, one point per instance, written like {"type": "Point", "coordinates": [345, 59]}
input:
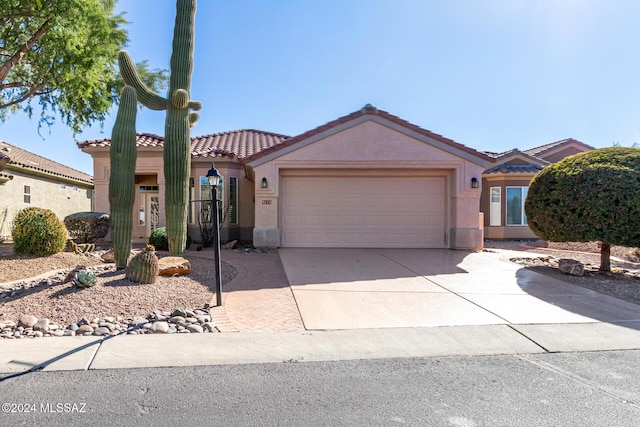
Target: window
{"type": "Point", "coordinates": [190, 209]}
{"type": "Point", "coordinates": [515, 205]}
{"type": "Point", "coordinates": [233, 200]}
{"type": "Point", "coordinates": [206, 196]}
{"type": "Point", "coordinates": [495, 211]}
{"type": "Point", "coordinates": [74, 188]}
{"type": "Point", "coordinates": [63, 186]}
{"type": "Point", "coordinates": [27, 194]}
{"type": "Point", "coordinates": [141, 211]}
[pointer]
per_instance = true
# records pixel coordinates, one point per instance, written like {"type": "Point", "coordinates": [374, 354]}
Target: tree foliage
{"type": "Point", "coordinates": [592, 196]}
{"type": "Point", "coordinates": [62, 54]}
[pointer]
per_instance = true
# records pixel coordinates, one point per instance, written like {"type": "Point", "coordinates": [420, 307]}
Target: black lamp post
{"type": "Point", "coordinates": [214, 179]}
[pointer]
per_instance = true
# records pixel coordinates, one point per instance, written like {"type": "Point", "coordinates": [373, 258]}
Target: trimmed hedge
{"type": "Point", "coordinates": [159, 239]}
{"type": "Point", "coordinates": [39, 232]}
{"type": "Point", "coordinates": [592, 196]}
{"type": "Point", "coordinates": [87, 227]}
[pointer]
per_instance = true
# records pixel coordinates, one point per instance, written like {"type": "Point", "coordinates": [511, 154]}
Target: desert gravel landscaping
{"type": "Point", "coordinates": [115, 297]}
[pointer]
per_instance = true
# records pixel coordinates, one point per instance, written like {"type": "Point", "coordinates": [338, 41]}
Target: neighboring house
{"type": "Point", "coordinates": [367, 179]}
{"type": "Point", "coordinates": [27, 179]}
{"type": "Point", "coordinates": [506, 183]}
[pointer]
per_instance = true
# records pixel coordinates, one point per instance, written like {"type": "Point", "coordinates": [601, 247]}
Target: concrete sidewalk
{"type": "Point", "coordinates": [126, 351]}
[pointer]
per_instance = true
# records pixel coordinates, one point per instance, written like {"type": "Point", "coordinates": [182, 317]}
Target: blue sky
{"type": "Point", "coordinates": [490, 74]}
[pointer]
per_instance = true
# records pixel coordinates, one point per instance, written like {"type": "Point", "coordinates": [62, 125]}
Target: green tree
{"type": "Point", "coordinates": [62, 54]}
{"type": "Point", "coordinates": [592, 196]}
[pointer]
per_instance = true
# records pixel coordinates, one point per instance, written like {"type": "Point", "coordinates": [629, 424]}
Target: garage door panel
{"type": "Point", "coordinates": [362, 211]}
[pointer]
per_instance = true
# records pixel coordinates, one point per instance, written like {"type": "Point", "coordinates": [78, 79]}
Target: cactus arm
{"type": "Point", "coordinates": [122, 177]}
{"type": "Point", "coordinates": [195, 105]}
{"type": "Point", "coordinates": [193, 119]}
{"type": "Point", "coordinates": [130, 75]}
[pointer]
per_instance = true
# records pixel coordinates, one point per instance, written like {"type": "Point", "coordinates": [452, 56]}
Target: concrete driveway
{"type": "Point", "coordinates": [379, 288]}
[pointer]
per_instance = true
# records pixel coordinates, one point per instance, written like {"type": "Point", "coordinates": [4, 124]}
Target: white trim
{"type": "Point", "coordinates": [495, 207]}
{"type": "Point", "coordinates": [523, 196]}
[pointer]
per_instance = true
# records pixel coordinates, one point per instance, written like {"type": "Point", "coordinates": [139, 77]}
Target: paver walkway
{"type": "Point", "coordinates": [259, 298]}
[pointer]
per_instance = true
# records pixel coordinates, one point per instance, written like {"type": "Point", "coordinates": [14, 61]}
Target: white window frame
{"type": "Point", "coordinates": [204, 183]}
{"type": "Point", "coordinates": [495, 207]}
{"type": "Point", "coordinates": [524, 189]}
{"type": "Point", "coordinates": [233, 215]}
{"type": "Point", "coordinates": [26, 196]}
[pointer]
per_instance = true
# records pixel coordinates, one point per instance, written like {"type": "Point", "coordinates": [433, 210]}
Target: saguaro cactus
{"type": "Point", "coordinates": [179, 120]}
{"type": "Point", "coordinates": [122, 181]}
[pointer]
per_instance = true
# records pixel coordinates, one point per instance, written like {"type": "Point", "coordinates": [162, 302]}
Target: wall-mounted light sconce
{"type": "Point", "coordinates": [474, 182]}
{"type": "Point", "coordinates": [264, 183]}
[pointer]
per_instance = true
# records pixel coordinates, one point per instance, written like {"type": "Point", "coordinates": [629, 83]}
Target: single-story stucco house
{"type": "Point", "coordinates": [367, 179]}
{"type": "Point", "coordinates": [506, 183]}
{"type": "Point", "coordinates": [29, 180]}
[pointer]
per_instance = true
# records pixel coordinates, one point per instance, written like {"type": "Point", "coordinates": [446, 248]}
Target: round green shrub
{"type": "Point", "coordinates": [39, 232]}
{"type": "Point", "coordinates": [159, 239]}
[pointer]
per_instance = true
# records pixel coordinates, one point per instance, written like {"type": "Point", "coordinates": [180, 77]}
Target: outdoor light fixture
{"type": "Point", "coordinates": [264, 183]}
{"type": "Point", "coordinates": [474, 182]}
{"type": "Point", "coordinates": [214, 179]}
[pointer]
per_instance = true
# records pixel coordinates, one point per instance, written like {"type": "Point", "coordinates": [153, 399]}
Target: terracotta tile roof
{"type": "Point", "coordinates": [16, 156]}
{"type": "Point", "coordinates": [142, 140]}
{"type": "Point", "coordinates": [530, 168]}
{"type": "Point", "coordinates": [238, 143]}
{"type": "Point", "coordinates": [367, 110]}
{"type": "Point", "coordinates": [537, 151]}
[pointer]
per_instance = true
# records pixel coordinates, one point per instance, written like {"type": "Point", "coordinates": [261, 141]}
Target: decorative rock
{"type": "Point", "coordinates": [109, 256]}
{"type": "Point", "coordinates": [41, 325]}
{"type": "Point", "coordinates": [190, 313]}
{"type": "Point", "coordinates": [171, 330]}
{"type": "Point", "coordinates": [83, 321]}
{"type": "Point", "coordinates": [101, 331]}
{"type": "Point", "coordinates": [209, 327]}
{"type": "Point", "coordinates": [571, 266]}
{"type": "Point", "coordinates": [179, 312]}
{"type": "Point", "coordinates": [38, 334]}
{"type": "Point", "coordinates": [173, 266]}
{"type": "Point", "coordinates": [191, 320]}
{"type": "Point", "coordinates": [194, 328]}
{"type": "Point", "coordinates": [68, 333]}
{"type": "Point", "coordinates": [73, 327]}
{"type": "Point", "coordinates": [28, 321]}
{"type": "Point", "coordinates": [108, 325]}
{"type": "Point", "coordinates": [177, 319]}
{"type": "Point", "coordinates": [57, 333]}
{"type": "Point", "coordinates": [160, 327]}
{"type": "Point", "coordinates": [203, 318]}
{"type": "Point", "coordinates": [85, 329]}
{"type": "Point", "coordinates": [138, 322]}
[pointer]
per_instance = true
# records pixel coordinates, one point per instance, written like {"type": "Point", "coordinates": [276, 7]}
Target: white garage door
{"type": "Point", "coordinates": [362, 212]}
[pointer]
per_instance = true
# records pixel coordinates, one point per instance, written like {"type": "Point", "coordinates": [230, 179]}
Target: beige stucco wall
{"type": "Point", "coordinates": [150, 171]}
{"type": "Point", "coordinates": [503, 232]}
{"type": "Point", "coordinates": [46, 192]}
{"type": "Point", "coordinates": [371, 145]}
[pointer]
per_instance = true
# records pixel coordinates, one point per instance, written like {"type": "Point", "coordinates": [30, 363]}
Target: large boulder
{"type": "Point", "coordinates": [571, 266]}
{"type": "Point", "coordinates": [173, 266]}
